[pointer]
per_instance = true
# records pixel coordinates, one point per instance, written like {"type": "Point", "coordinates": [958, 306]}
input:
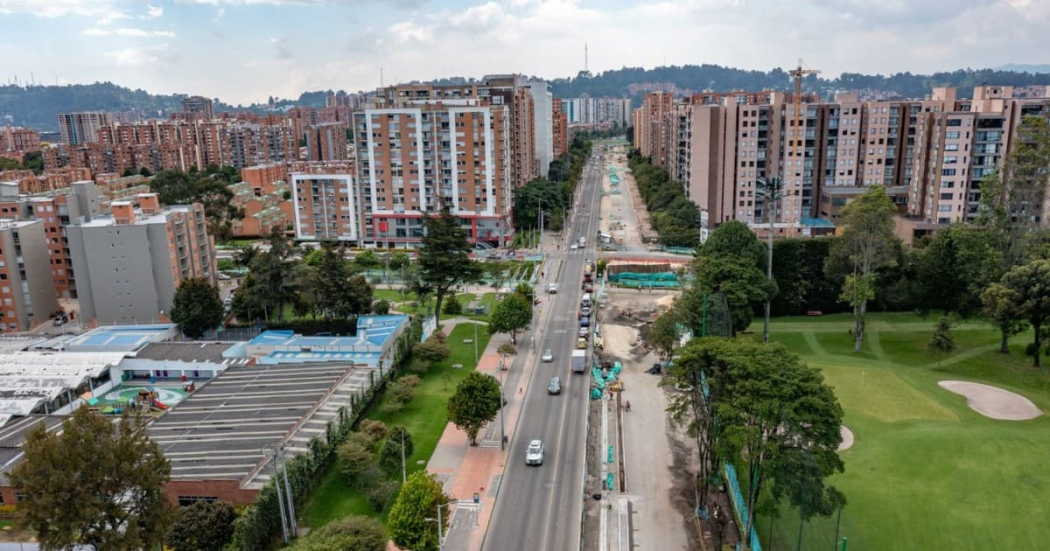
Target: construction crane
{"type": "Point", "coordinates": [798, 74]}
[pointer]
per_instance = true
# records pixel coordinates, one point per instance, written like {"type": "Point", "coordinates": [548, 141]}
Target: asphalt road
{"type": "Point", "coordinates": [541, 507]}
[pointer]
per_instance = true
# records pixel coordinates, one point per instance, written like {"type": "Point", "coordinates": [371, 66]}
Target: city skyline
{"type": "Point", "coordinates": [245, 51]}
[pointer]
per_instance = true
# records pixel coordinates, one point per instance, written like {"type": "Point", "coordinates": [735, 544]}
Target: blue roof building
{"type": "Point", "coordinates": [371, 345]}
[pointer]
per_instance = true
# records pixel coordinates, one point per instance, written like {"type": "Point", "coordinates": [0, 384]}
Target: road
{"type": "Point", "coordinates": [541, 507]}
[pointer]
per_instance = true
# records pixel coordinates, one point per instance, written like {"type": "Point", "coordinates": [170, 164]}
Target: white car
{"type": "Point", "coordinates": [574, 247]}
{"type": "Point", "coordinates": [534, 453]}
{"type": "Point", "coordinates": [548, 355]}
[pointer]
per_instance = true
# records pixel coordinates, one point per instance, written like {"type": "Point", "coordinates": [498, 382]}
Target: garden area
{"type": "Point", "coordinates": [422, 417]}
{"type": "Point", "coordinates": [926, 471]}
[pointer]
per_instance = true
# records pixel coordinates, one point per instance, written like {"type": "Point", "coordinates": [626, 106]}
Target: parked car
{"type": "Point", "coordinates": [64, 318]}
{"type": "Point", "coordinates": [585, 311]}
{"type": "Point", "coordinates": [581, 343]}
{"type": "Point", "coordinates": [548, 355]}
{"type": "Point", "coordinates": [585, 321]}
{"type": "Point", "coordinates": [552, 288]}
{"type": "Point", "coordinates": [534, 453]}
{"type": "Point", "coordinates": [584, 333]}
{"type": "Point", "coordinates": [554, 387]}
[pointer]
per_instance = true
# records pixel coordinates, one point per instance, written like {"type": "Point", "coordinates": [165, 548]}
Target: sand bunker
{"type": "Point", "coordinates": [847, 438]}
{"type": "Point", "coordinates": [994, 402]}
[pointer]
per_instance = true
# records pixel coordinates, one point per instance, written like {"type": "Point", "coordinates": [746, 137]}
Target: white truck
{"type": "Point", "coordinates": [583, 242]}
{"type": "Point", "coordinates": [579, 358]}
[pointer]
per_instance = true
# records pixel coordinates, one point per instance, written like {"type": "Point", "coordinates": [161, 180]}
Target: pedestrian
{"type": "Point", "coordinates": [627, 405]}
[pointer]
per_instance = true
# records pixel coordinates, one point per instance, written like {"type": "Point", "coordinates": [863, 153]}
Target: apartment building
{"type": "Point", "coordinates": [930, 155]}
{"type": "Point", "coordinates": [652, 127]}
{"type": "Point", "coordinates": [543, 128]}
{"type": "Point", "coordinates": [428, 152]}
{"type": "Point", "coordinates": [199, 105]}
{"type": "Point", "coordinates": [559, 129]}
{"type": "Point", "coordinates": [265, 174]}
{"type": "Point", "coordinates": [263, 207]}
{"type": "Point", "coordinates": [25, 275]}
{"type": "Point", "coordinates": [326, 142]}
{"type": "Point", "coordinates": [79, 128]}
{"type": "Point", "coordinates": [16, 141]}
{"type": "Point", "coordinates": [129, 262]}
{"type": "Point", "coordinates": [605, 111]}
{"type": "Point", "coordinates": [325, 207]}
{"type": "Point", "coordinates": [55, 211]}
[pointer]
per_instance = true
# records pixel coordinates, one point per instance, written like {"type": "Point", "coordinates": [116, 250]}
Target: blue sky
{"type": "Point", "coordinates": [247, 50]}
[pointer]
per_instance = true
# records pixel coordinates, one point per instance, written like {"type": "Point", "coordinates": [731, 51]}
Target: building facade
{"type": "Point", "coordinates": [79, 128]}
{"type": "Point", "coordinates": [26, 290]}
{"type": "Point", "coordinates": [559, 129]}
{"type": "Point", "coordinates": [129, 263]}
{"type": "Point", "coordinates": [199, 105]}
{"type": "Point", "coordinates": [325, 207]}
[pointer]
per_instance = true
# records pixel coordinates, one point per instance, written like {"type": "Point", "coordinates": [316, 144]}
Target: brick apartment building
{"type": "Point", "coordinates": [326, 142]}
{"type": "Point", "coordinates": [78, 128]}
{"type": "Point", "coordinates": [16, 141]}
{"type": "Point", "coordinates": [559, 129]}
{"type": "Point", "coordinates": [128, 263]}
{"type": "Point", "coordinates": [929, 154]}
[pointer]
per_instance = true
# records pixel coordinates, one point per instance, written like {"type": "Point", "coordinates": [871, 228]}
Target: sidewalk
{"type": "Point", "coordinates": [464, 470]}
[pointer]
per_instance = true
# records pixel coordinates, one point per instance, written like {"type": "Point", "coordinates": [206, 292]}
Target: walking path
{"type": "Point", "coordinates": [466, 470]}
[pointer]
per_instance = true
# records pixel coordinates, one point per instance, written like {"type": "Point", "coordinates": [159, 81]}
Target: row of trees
{"type": "Point", "coordinates": [34, 160]}
{"type": "Point", "coordinates": [675, 218]}
{"type": "Point", "coordinates": [208, 187]}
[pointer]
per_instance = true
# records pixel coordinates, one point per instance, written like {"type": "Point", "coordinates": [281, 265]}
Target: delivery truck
{"type": "Point", "coordinates": [579, 358]}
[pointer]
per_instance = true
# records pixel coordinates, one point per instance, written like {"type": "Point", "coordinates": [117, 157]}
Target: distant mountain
{"type": "Point", "coordinates": [1023, 68]}
{"type": "Point", "coordinates": [38, 106]}
{"type": "Point", "coordinates": [635, 81]}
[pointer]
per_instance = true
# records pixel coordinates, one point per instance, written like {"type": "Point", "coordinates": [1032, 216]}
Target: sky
{"type": "Point", "coordinates": [244, 51]}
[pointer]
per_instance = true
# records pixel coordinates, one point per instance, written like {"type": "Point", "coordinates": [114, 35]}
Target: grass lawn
{"type": "Point", "coordinates": [926, 471]}
{"type": "Point", "coordinates": [424, 418]}
{"type": "Point", "coordinates": [392, 295]}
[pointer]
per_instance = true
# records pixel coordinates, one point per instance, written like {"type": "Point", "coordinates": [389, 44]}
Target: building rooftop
{"type": "Point", "coordinates": [106, 220]}
{"type": "Point", "coordinates": [366, 347]}
{"type": "Point", "coordinates": [13, 435]}
{"type": "Point", "coordinates": [219, 431]}
{"type": "Point", "coordinates": [28, 379]}
{"type": "Point", "coordinates": [124, 338]}
{"type": "Point", "coordinates": [209, 352]}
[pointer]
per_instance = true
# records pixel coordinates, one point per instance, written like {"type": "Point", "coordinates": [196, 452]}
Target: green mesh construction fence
{"type": "Point", "coordinates": [635, 279]}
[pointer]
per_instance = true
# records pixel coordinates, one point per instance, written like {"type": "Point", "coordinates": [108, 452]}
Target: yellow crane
{"type": "Point", "coordinates": [798, 74]}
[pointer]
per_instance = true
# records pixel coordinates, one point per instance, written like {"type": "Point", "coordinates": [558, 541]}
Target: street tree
{"type": "Point", "coordinates": [781, 422]}
{"type": "Point", "coordinates": [941, 342]}
{"type": "Point", "coordinates": [665, 333]}
{"type": "Point", "coordinates": [196, 307]}
{"type": "Point", "coordinates": [203, 526]}
{"type": "Point", "coordinates": [353, 533]}
{"type": "Point", "coordinates": [953, 268]}
{"type": "Point", "coordinates": [475, 402]}
{"type": "Point", "coordinates": [867, 245]}
{"type": "Point", "coordinates": [97, 483]}
{"type": "Point", "coordinates": [1027, 288]}
{"type": "Point", "coordinates": [444, 259]}
{"type": "Point", "coordinates": [419, 500]}
{"type": "Point", "coordinates": [505, 350]}
{"type": "Point", "coordinates": [511, 315]}
{"type": "Point", "coordinates": [390, 454]}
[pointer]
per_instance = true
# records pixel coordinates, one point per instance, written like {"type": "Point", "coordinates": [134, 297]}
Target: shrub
{"type": "Point", "coordinates": [452, 306]}
{"type": "Point", "coordinates": [375, 429]}
{"type": "Point", "coordinates": [355, 460]}
{"type": "Point", "coordinates": [410, 380]}
{"type": "Point", "coordinates": [381, 307]}
{"type": "Point", "coordinates": [382, 494]}
{"type": "Point", "coordinates": [433, 350]}
{"type": "Point", "coordinates": [203, 526]}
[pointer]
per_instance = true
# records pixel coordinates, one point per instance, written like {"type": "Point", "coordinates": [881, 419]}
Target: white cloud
{"type": "Point", "coordinates": [409, 31]}
{"type": "Point", "coordinates": [111, 17]}
{"type": "Point", "coordinates": [154, 12]}
{"type": "Point", "coordinates": [126, 31]}
{"type": "Point", "coordinates": [57, 8]}
{"type": "Point", "coordinates": [134, 57]}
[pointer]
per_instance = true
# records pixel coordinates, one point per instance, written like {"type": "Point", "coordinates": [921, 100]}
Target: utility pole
{"type": "Point", "coordinates": [771, 190]}
{"type": "Point", "coordinates": [403, 477]}
{"type": "Point", "coordinates": [280, 499]}
{"type": "Point", "coordinates": [291, 501]}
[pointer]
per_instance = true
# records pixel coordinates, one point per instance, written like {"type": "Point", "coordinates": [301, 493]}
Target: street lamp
{"type": "Point", "coordinates": [502, 406]}
{"type": "Point", "coordinates": [441, 545]}
{"type": "Point", "coordinates": [772, 190]}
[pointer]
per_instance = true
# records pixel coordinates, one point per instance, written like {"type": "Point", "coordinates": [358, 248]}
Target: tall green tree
{"type": "Point", "coordinates": [196, 307]}
{"type": "Point", "coordinates": [418, 500]}
{"type": "Point", "coordinates": [96, 484]}
{"type": "Point", "coordinates": [665, 333]}
{"type": "Point", "coordinates": [275, 275]}
{"type": "Point", "coordinates": [734, 239]}
{"type": "Point", "coordinates": [743, 284]}
{"type": "Point", "coordinates": [399, 261]}
{"type": "Point", "coordinates": [1002, 305]}
{"type": "Point", "coordinates": [511, 315]}
{"type": "Point", "coordinates": [366, 260]}
{"type": "Point", "coordinates": [444, 260]}
{"type": "Point", "coordinates": [1025, 291]}
{"type": "Point", "coordinates": [390, 452]}
{"type": "Point", "coordinates": [203, 526]}
{"type": "Point", "coordinates": [781, 422]}
{"type": "Point", "coordinates": [353, 533]}
{"type": "Point", "coordinates": [941, 342]}
{"type": "Point", "coordinates": [952, 269]}
{"type": "Point", "coordinates": [475, 402]}
{"type": "Point", "coordinates": [867, 245]}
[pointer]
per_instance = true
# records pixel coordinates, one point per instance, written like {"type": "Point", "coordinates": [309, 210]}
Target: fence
{"type": "Point", "coordinates": [786, 531]}
{"type": "Point", "coordinates": [739, 504]}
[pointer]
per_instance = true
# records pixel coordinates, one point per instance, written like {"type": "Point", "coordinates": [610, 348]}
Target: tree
{"type": "Point", "coordinates": [433, 350]}
{"type": "Point", "coordinates": [443, 260]}
{"type": "Point", "coordinates": [867, 245]}
{"type": "Point", "coordinates": [526, 290]}
{"type": "Point", "coordinates": [1001, 304]}
{"type": "Point", "coordinates": [204, 526]}
{"type": "Point", "coordinates": [511, 315]}
{"type": "Point", "coordinates": [952, 270]}
{"type": "Point", "coordinates": [366, 260]}
{"type": "Point", "coordinates": [418, 500]}
{"type": "Point", "coordinates": [504, 350]}
{"type": "Point", "coordinates": [665, 334]}
{"type": "Point", "coordinates": [399, 261]}
{"type": "Point", "coordinates": [778, 419]}
{"type": "Point", "coordinates": [173, 187]}
{"type": "Point", "coordinates": [390, 452]}
{"type": "Point", "coordinates": [244, 255]}
{"type": "Point", "coordinates": [196, 307]}
{"type": "Point", "coordinates": [742, 283]}
{"type": "Point", "coordinates": [353, 533]}
{"type": "Point", "coordinates": [734, 238]}
{"type": "Point", "coordinates": [355, 457]}
{"type": "Point", "coordinates": [1024, 293]}
{"type": "Point", "coordinates": [381, 307]}
{"type": "Point", "coordinates": [452, 306]}
{"type": "Point", "coordinates": [475, 402]}
{"type": "Point", "coordinates": [96, 483]}
{"type": "Point", "coordinates": [941, 342]}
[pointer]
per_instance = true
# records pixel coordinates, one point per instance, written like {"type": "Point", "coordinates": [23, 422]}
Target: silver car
{"type": "Point", "coordinates": [548, 355]}
{"type": "Point", "coordinates": [534, 453]}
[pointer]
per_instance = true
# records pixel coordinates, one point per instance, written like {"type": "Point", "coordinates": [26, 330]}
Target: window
{"type": "Point", "coordinates": [948, 172]}
{"type": "Point", "coordinates": [951, 147]}
{"type": "Point", "coordinates": [954, 122]}
{"type": "Point", "coordinates": [186, 501]}
{"type": "Point", "coordinates": [952, 135]}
